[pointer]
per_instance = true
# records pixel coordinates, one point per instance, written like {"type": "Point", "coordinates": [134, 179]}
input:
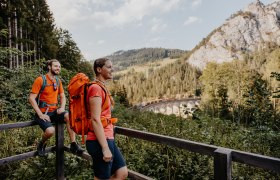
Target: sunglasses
{"type": "Point", "coordinates": [54, 86]}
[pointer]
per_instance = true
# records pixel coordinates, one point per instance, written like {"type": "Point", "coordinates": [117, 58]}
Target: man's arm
{"type": "Point", "coordinates": [62, 103]}
{"type": "Point", "coordinates": [95, 104]}
{"type": "Point", "coordinates": [32, 100]}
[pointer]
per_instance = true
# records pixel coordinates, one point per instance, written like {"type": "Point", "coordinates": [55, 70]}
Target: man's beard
{"type": "Point", "coordinates": [54, 73]}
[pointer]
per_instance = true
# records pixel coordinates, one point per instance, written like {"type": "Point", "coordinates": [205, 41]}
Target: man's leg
{"type": "Point", "coordinates": [121, 173]}
{"type": "Point", "coordinates": [71, 133]}
{"type": "Point", "coordinates": [49, 132]}
{"type": "Point", "coordinates": [74, 147]}
{"type": "Point", "coordinates": [119, 168]}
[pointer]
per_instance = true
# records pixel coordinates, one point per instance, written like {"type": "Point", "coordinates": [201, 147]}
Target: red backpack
{"type": "Point", "coordinates": [80, 120]}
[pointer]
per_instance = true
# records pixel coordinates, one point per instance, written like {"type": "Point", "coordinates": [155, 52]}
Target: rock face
{"type": "Point", "coordinates": [248, 30]}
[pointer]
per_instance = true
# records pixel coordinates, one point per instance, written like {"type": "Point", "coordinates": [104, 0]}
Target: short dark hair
{"type": "Point", "coordinates": [100, 62]}
{"type": "Point", "coordinates": [49, 62]}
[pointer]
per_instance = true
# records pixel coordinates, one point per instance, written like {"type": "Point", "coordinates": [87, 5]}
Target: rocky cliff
{"type": "Point", "coordinates": [254, 27]}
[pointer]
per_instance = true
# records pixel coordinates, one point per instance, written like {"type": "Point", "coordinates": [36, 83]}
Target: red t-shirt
{"type": "Point", "coordinates": [96, 91]}
{"type": "Point", "coordinates": [49, 95]}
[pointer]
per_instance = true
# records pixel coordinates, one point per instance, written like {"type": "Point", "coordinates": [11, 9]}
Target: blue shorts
{"type": "Point", "coordinates": [102, 169]}
{"type": "Point", "coordinates": [54, 118]}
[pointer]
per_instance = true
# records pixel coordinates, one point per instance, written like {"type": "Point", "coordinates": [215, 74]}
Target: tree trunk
{"type": "Point", "coordinates": [21, 47]}
{"type": "Point", "coordinates": [27, 48]}
{"type": "Point", "coordinates": [35, 50]}
{"type": "Point", "coordinates": [16, 37]}
{"type": "Point", "coordinates": [10, 43]}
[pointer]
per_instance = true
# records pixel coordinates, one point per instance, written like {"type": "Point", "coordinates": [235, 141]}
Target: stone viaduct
{"type": "Point", "coordinates": [179, 107]}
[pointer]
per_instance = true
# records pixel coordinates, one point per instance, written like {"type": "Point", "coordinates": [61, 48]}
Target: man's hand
{"type": "Point", "coordinates": [107, 155]}
{"type": "Point", "coordinates": [60, 110]}
{"type": "Point", "coordinates": [45, 117]}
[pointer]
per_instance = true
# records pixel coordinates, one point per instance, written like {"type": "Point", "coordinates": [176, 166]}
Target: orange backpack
{"type": "Point", "coordinates": [80, 120]}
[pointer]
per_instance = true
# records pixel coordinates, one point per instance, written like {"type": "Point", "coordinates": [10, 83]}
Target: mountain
{"type": "Point", "coordinates": [124, 59]}
{"type": "Point", "coordinates": [255, 27]}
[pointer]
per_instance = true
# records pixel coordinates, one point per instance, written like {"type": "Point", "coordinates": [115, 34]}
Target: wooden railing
{"type": "Point", "coordinates": [223, 157]}
{"type": "Point", "coordinates": [59, 149]}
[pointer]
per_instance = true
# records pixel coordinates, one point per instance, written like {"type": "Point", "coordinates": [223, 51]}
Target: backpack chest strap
{"type": "Point", "coordinates": [43, 104]}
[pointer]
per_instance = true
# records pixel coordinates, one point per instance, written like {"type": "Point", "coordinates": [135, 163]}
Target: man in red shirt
{"type": "Point", "coordinates": [45, 104]}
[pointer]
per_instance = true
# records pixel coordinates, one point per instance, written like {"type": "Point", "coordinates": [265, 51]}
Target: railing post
{"type": "Point", "coordinates": [222, 164]}
{"type": "Point", "coordinates": [59, 142]}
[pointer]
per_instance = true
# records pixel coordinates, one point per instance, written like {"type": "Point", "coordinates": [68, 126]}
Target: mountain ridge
{"type": "Point", "coordinates": [124, 59]}
{"type": "Point", "coordinates": [255, 27]}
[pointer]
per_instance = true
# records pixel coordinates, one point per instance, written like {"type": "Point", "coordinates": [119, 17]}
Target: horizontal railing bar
{"type": "Point", "coordinates": [17, 125]}
{"type": "Point", "coordinates": [252, 159]}
{"type": "Point", "coordinates": [23, 156]}
{"type": "Point", "coordinates": [257, 160]}
{"type": "Point", "coordinates": [131, 174]}
{"type": "Point", "coordinates": [137, 176]}
{"type": "Point", "coordinates": [84, 155]}
{"type": "Point", "coordinates": [172, 141]}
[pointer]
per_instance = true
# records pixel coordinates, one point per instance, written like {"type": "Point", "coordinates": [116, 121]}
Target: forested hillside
{"type": "Point", "coordinates": [165, 82]}
{"type": "Point", "coordinates": [124, 59]}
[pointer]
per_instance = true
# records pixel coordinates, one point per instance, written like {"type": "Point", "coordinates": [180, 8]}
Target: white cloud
{"type": "Point", "coordinates": [157, 25]}
{"type": "Point", "coordinates": [192, 20]}
{"type": "Point", "coordinates": [101, 2]}
{"type": "Point", "coordinates": [133, 12]}
{"type": "Point", "coordinates": [196, 3]}
{"type": "Point", "coordinates": [100, 42]}
{"type": "Point", "coordinates": [68, 12]}
{"type": "Point", "coordinates": [101, 14]}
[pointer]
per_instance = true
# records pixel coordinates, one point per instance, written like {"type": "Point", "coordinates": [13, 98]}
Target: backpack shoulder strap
{"type": "Point", "coordinates": [42, 88]}
{"type": "Point", "coordinates": [57, 81]}
{"type": "Point", "coordinates": [85, 96]}
{"type": "Point", "coordinates": [43, 84]}
{"type": "Point", "coordinates": [105, 104]}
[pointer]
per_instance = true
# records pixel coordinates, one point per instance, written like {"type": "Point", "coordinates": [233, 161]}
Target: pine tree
{"type": "Point", "coordinates": [258, 105]}
{"type": "Point", "coordinates": [276, 94]}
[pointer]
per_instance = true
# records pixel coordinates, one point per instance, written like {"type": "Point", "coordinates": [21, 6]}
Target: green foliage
{"type": "Point", "coordinates": [164, 162]}
{"type": "Point", "coordinates": [237, 90]}
{"type": "Point", "coordinates": [119, 93]}
{"type": "Point", "coordinates": [68, 54]}
{"type": "Point", "coordinates": [85, 67]}
{"type": "Point", "coordinates": [258, 104]}
{"type": "Point", "coordinates": [19, 141]}
{"type": "Point", "coordinates": [15, 86]}
{"type": "Point", "coordinates": [277, 77]}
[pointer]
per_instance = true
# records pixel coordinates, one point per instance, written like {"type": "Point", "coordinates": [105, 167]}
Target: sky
{"type": "Point", "coordinates": [102, 27]}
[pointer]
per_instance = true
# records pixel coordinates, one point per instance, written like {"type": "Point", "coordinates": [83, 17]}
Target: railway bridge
{"type": "Point", "coordinates": [180, 107]}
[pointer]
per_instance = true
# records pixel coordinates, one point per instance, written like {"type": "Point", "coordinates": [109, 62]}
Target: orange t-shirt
{"type": "Point", "coordinates": [49, 95]}
{"type": "Point", "coordinates": [96, 91]}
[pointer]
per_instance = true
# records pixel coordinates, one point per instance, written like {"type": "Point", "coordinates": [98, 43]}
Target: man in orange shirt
{"type": "Point", "coordinates": [108, 161]}
{"type": "Point", "coordinates": [45, 104]}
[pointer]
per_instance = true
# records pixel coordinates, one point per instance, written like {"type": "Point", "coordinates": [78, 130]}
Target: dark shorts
{"type": "Point", "coordinates": [54, 118]}
{"type": "Point", "coordinates": [102, 169]}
